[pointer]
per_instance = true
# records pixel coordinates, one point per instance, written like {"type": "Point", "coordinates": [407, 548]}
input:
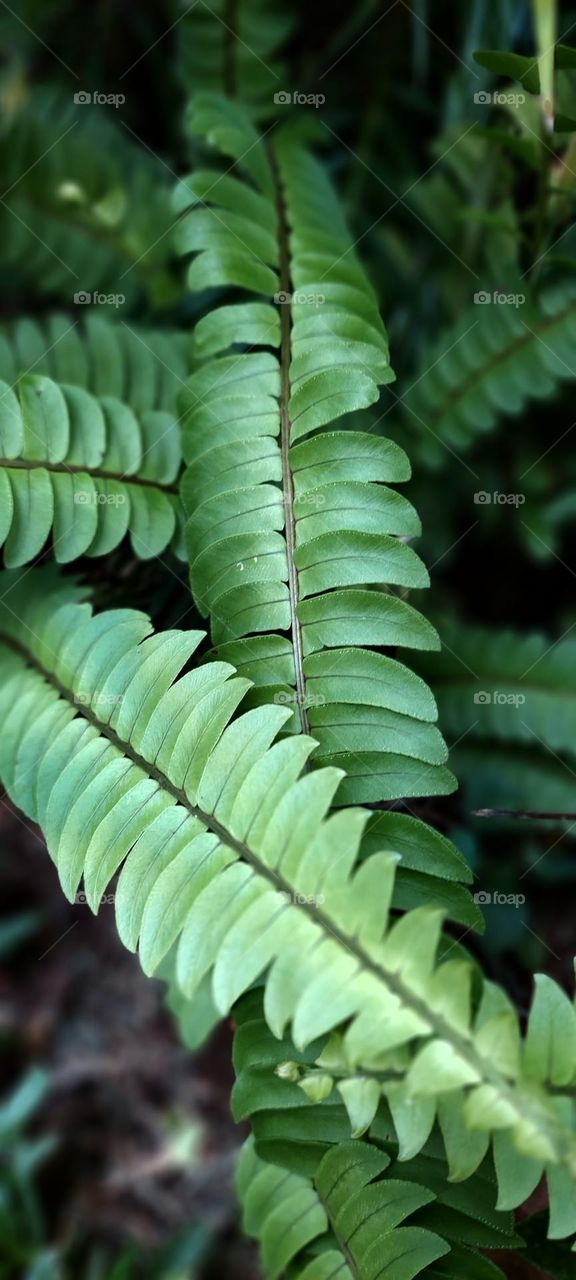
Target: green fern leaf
{"type": "Point", "coordinates": [84, 208]}
{"type": "Point", "coordinates": [120, 761]}
{"type": "Point", "coordinates": [291, 535]}
{"type": "Point", "coordinates": [291, 1132]}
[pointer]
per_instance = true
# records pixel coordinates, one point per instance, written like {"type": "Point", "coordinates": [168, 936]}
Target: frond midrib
{"type": "Point", "coordinates": [285, 442]}
{"type": "Point", "coordinates": [439, 1027]}
{"type": "Point", "coordinates": [62, 468]}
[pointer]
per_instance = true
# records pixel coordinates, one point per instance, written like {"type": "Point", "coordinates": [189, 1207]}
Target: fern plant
{"type": "Point", "coordinates": [400, 1110]}
{"type": "Point", "coordinates": [229, 852]}
{"type": "Point", "coordinates": [345, 1214]}
{"type": "Point", "coordinates": [233, 49]}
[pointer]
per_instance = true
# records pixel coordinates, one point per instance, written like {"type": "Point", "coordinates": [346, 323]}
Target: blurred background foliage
{"type": "Point", "coordinates": [116, 1143]}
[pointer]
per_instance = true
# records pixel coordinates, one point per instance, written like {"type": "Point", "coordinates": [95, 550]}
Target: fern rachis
{"type": "Point", "coordinates": [252, 879]}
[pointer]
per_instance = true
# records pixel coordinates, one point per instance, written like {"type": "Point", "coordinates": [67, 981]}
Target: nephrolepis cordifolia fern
{"type": "Point", "coordinates": [392, 1095]}
{"type": "Point", "coordinates": [98, 455]}
{"type": "Point", "coordinates": [274, 1087]}
{"type": "Point", "coordinates": [292, 527]}
{"type": "Point", "coordinates": [227, 851]}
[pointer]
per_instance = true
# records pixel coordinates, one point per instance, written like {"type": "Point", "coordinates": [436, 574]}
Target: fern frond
{"type": "Point", "coordinates": [85, 469]}
{"type": "Point", "coordinates": [303, 1138]}
{"type": "Point", "coordinates": [511, 698]}
{"type": "Point", "coordinates": [292, 529]}
{"type": "Point", "coordinates": [228, 853]}
{"type": "Point", "coordinates": [233, 49]}
{"type": "Point", "coordinates": [495, 361]}
{"type": "Point", "coordinates": [145, 368]}
{"type": "Point", "coordinates": [513, 687]}
{"type": "Point", "coordinates": [349, 1222]}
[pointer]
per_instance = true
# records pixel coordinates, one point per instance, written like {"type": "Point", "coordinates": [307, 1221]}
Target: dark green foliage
{"type": "Point", "coordinates": [234, 404]}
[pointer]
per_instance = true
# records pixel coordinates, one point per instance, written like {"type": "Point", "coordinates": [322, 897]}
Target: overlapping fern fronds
{"type": "Point", "coordinates": [226, 850]}
{"type": "Point", "coordinates": [292, 529]}
{"type": "Point", "coordinates": [86, 469]}
{"type": "Point", "coordinates": [346, 1223]}
{"type": "Point", "coordinates": [296, 1124]}
{"type": "Point", "coordinates": [294, 1143]}
{"type": "Point", "coordinates": [302, 1103]}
